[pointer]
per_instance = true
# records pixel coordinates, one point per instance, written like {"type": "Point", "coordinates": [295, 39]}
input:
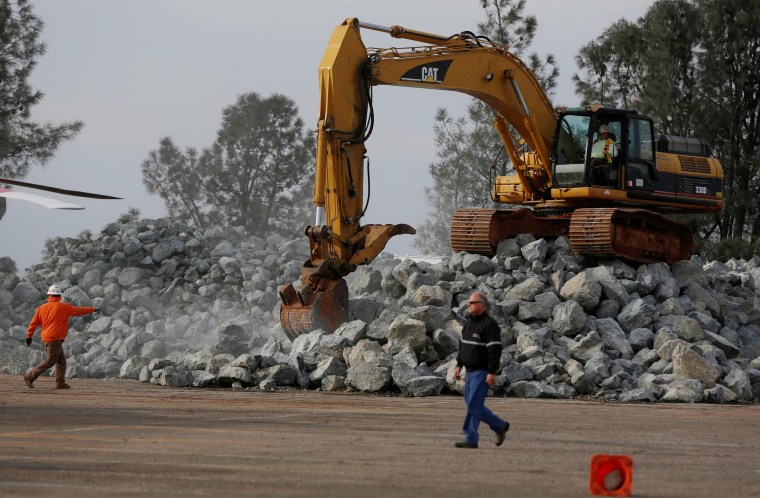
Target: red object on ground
{"type": "Point", "coordinates": [611, 475]}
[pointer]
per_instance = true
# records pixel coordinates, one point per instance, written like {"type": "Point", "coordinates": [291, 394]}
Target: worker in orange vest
{"type": "Point", "coordinates": [603, 151]}
{"type": "Point", "coordinates": [53, 316]}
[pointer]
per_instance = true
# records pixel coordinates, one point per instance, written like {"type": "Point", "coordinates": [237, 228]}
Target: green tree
{"type": "Point", "coordinates": [469, 149]}
{"type": "Point", "coordinates": [175, 177]}
{"type": "Point", "coordinates": [694, 73]}
{"type": "Point", "coordinates": [729, 62]}
{"type": "Point", "coordinates": [256, 174]}
{"type": "Point", "coordinates": [23, 143]}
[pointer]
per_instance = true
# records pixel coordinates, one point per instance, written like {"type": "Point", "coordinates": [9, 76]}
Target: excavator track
{"type": "Point", "coordinates": [479, 231]}
{"type": "Point", "coordinates": [471, 231]}
{"type": "Point", "coordinates": [632, 234]}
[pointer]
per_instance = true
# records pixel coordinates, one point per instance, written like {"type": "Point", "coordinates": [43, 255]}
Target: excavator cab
{"type": "Point", "coordinates": [607, 148]}
{"type": "Point", "coordinates": [611, 149]}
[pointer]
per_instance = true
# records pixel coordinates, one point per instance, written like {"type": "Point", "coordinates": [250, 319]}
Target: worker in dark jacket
{"type": "Point", "coordinates": [479, 353]}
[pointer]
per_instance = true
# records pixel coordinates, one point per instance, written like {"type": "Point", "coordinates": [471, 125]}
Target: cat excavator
{"type": "Point", "coordinates": [595, 174]}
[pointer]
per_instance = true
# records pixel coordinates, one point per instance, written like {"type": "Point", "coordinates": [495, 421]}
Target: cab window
{"type": "Point", "coordinates": [570, 152]}
{"type": "Point", "coordinates": [640, 170]}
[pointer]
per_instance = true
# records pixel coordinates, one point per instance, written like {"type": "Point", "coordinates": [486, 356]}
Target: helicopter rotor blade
{"type": "Point", "coordinates": [56, 190]}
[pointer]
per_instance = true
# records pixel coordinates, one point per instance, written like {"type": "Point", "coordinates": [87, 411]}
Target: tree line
{"type": "Point", "coordinates": [683, 63]}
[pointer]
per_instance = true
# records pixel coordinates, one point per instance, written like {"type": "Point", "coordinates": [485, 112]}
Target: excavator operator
{"type": "Point", "coordinates": [604, 150]}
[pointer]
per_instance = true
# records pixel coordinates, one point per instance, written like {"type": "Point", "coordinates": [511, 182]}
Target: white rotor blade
{"type": "Point", "coordinates": [48, 202]}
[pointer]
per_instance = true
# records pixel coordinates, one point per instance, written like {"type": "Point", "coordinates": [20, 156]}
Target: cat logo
{"type": "Point", "coordinates": [433, 72]}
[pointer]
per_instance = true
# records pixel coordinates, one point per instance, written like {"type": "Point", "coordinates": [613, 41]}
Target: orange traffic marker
{"type": "Point", "coordinates": [611, 475]}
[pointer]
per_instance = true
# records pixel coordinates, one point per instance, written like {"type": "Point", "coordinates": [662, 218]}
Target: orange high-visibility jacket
{"type": "Point", "coordinates": [54, 317]}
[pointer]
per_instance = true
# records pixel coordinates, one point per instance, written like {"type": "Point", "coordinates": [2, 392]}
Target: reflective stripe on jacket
{"type": "Point", "coordinates": [54, 316]}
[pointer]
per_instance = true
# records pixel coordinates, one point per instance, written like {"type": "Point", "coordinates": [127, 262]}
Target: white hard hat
{"type": "Point", "coordinates": [54, 290]}
{"type": "Point", "coordinates": [603, 128]}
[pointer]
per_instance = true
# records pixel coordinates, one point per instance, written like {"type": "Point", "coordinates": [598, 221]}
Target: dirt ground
{"type": "Point", "coordinates": [125, 438]}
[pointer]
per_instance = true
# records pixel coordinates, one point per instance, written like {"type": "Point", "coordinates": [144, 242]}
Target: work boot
{"type": "Point", "coordinates": [29, 382]}
{"type": "Point", "coordinates": [63, 386]}
{"type": "Point", "coordinates": [502, 434]}
{"type": "Point", "coordinates": [466, 444]}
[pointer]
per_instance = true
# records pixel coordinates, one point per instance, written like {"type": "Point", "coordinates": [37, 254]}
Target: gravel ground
{"type": "Point", "coordinates": [125, 438]}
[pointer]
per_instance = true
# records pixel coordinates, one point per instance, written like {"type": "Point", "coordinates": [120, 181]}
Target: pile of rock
{"type": "Point", "coordinates": [184, 307]}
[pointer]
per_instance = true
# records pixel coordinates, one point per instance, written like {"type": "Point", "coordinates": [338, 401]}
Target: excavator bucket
{"type": "Point", "coordinates": [306, 310]}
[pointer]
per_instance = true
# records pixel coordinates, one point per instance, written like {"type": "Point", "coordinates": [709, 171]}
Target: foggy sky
{"type": "Point", "coordinates": [138, 70]}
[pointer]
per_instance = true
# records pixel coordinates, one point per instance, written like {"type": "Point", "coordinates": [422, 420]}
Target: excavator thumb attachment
{"type": "Point", "coordinates": [307, 310]}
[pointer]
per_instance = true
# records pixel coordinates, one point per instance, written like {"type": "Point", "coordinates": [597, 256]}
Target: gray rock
{"type": "Point", "coordinates": [455, 385]}
{"type": "Point", "coordinates": [366, 377]}
{"type": "Point", "coordinates": [532, 389]}
{"type": "Point", "coordinates": [390, 285]}
{"type": "Point", "coordinates": [525, 290]}
{"type": "Point", "coordinates": [404, 271]}
{"type": "Point", "coordinates": [203, 379]}
{"type": "Point", "coordinates": [516, 372]}
{"type": "Point", "coordinates": [333, 383]}
{"type": "Point", "coordinates": [596, 368]}
{"type": "Point", "coordinates": [229, 374]}
{"type": "Point", "coordinates": [611, 288]}
{"type": "Point", "coordinates": [723, 344]}
{"type": "Point", "coordinates": [607, 309]}
{"type": "Point", "coordinates": [354, 331]}
{"type": "Point", "coordinates": [445, 342]}
{"type": "Point", "coordinates": [646, 357]}
{"type": "Point", "coordinates": [407, 356]}
{"type": "Point", "coordinates": [739, 382]}
{"type": "Point", "coordinates": [614, 337]}
{"type": "Point", "coordinates": [307, 342]}
{"type": "Point", "coordinates": [379, 328]}
{"type": "Point", "coordinates": [666, 350]}
{"type": "Point", "coordinates": [535, 251]}
{"type": "Point", "coordinates": [638, 395]}
{"type": "Point", "coordinates": [152, 349]}
{"type": "Point", "coordinates": [283, 374]}
{"type": "Point", "coordinates": [405, 331]}
{"type": "Point", "coordinates": [719, 395]}
{"type": "Point", "coordinates": [687, 329]}
{"type": "Point", "coordinates": [688, 364]}
{"type": "Point", "coordinates": [26, 292]}
{"type": "Point", "coordinates": [432, 295]}
{"type": "Point", "coordinates": [532, 311]}
{"type": "Point", "coordinates": [583, 289]}
{"type": "Point", "coordinates": [641, 338]}
{"type": "Point", "coordinates": [506, 249]}
{"type": "Point", "coordinates": [402, 374]}
{"type": "Point", "coordinates": [684, 391]}
{"type": "Point", "coordinates": [477, 265]}
{"type": "Point", "coordinates": [176, 377]}
{"type": "Point", "coordinates": [328, 367]}
{"type": "Point", "coordinates": [130, 276]}
{"type": "Point", "coordinates": [585, 348]}
{"type": "Point", "coordinates": [636, 314]}
{"type": "Point", "coordinates": [271, 347]}
{"type": "Point", "coordinates": [366, 280]}
{"type": "Point", "coordinates": [130, 369]}
{"type": "Point", "coordinates": [568, 318]}
{"type": "Point", "coordinates": [427, 385]}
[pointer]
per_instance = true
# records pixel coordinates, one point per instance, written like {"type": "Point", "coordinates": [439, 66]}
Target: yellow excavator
{"type": "Point", "coordinates": [598, 175]}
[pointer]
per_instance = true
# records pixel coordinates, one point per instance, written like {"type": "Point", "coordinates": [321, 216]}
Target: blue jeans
{"type": "Point", "coordinates": [475, 392]}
